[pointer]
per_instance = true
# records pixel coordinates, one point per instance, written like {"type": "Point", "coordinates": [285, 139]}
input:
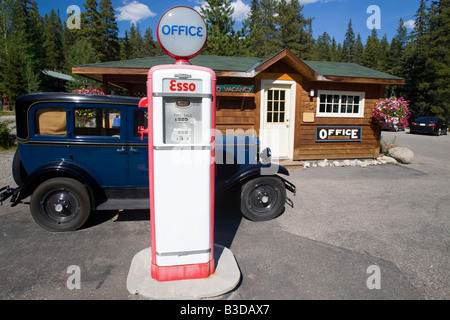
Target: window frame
{"type": "Point", "coordinates": [277, 112]}
{"type": "Point", "coordinates": [102, 108]}
{"type": "Point", "coordinates": [36, 126]}
{"type": "Point", "coordinates": [339, 114]}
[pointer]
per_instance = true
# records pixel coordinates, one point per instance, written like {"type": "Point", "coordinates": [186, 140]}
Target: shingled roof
{"type": "Point", "coordinates": [121, 73]}
{"type": "Point", "coordinates": [348, 70]}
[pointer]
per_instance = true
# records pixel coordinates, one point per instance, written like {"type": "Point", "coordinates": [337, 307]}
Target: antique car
{"type": "Point", "coordinates": [78, 153]}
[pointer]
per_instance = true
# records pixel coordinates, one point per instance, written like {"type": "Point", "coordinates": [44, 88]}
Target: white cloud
{"type": "Point", "coordinates": [134, 12]}
{"type": "Point", "coordinates": [410, 24]}
{"type": "Point", "coordinates": [241, 10]}
{"type": "Point", "coordinates": [307, 1]}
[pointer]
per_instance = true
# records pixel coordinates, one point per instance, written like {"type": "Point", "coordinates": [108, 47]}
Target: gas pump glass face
{"type": "Point", "coordinates": [182, 121]}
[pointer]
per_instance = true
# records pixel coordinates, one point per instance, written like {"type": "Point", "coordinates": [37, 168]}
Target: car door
{"type": "Point", "coordinates": [137, 148]}
{"type": "Point", "coordinates": [98, 142]}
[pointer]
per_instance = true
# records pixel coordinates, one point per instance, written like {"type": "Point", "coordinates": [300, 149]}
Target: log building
{"type": "Point", "coordinates": [302, 110]}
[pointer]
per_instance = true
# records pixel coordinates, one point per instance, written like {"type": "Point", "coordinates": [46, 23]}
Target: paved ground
{"type": "Point", "coordinates": [346, 221]}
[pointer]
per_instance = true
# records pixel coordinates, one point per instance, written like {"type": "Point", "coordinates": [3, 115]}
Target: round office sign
{"type": "Point", "coordinates": [182, 32]}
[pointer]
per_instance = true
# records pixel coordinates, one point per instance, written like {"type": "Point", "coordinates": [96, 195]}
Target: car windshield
{"type": "Point", "coordinates": [426, 119]}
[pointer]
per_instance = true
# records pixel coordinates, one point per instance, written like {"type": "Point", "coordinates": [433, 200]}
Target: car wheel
{"type": "Point", "coordinates": [60, 204]}
{"type": "Point", "coordinates": [18, 170]}
{"type": "Point", "coordinates": [263, 198]}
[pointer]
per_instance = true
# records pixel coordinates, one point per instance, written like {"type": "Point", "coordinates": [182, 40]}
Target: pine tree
{"type": "Point", "coordinates": [371, 53]}
{"type": "Point", "coordinates": [336, 51]}
{"type": "Point", "coordinates": [80, 53]}
{"type": "Point", "coordinates": [24, 59]}
{"type": "Point", "coordinates": [438, 58]}
{"type": "Point", "coordinates": [414, 67]}
{"type": "Point", "coordinates": [395, 58]}
{"type": "Point", "coordinates": [383, 53]}
{"type": "Point", "coordinates": [136, 42]}
{"type": "Point", "coordinates": [293, 30]}
{"type": "Point", "coordinates": [323, 48]}
{"type": "Point", "coordinates": [6, 31]}
{"type": "Point", "coordinates": [359, 50]}
{"type": "Point", "coordinates": [53, 31]}
{"type": "Point", "coordinates": [348, 47]}
{"type": "Point", "coordinates": [110, 49]}
{"type": "Point", "coordinates": [222, 39]}
{"type": "Point", "coordinates": [126, 51]}
{"type": "Point", "coordinates": [262, 37]}
{"type": "Point", "coordinates": [91, 28]}
{"type": "Point", "coordinates": [253, 37]}
{"type": "Point", "coordinates": [149, 46]}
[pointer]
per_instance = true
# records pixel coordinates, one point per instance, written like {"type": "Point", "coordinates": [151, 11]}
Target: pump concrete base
{"type": "Point", "coordinates": [142, 286]}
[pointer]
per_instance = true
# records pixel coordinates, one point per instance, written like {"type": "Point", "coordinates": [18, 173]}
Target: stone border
{"type": "Point", "coordinates": [363, 163]}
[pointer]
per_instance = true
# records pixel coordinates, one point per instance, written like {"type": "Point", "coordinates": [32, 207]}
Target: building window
{"type": "Point", "coordinates": [276, 106]}
{"type": "Point", "coordinates": [340, 104]}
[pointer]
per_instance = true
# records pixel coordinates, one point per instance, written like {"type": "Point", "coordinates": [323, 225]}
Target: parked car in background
{"type": "Point", "coordinates": [431, 125]}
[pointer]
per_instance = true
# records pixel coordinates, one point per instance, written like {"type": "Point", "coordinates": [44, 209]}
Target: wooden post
{"type": "Point", "coordinates": [105, 84]}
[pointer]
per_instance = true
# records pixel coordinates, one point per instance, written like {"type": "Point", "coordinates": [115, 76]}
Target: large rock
{"type": "Point", "coordinates": [402, 154]}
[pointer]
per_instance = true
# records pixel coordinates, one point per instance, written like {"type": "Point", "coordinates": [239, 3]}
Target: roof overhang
{"type": "Point", "coordinates": [126, 77]}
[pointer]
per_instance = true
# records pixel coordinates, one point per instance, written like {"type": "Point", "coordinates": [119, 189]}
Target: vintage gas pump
{"type": "Point", "coordinates": [181, 121]}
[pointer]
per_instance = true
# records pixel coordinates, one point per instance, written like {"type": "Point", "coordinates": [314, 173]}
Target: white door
{"type": "Point", "coordinates": [277, 117]}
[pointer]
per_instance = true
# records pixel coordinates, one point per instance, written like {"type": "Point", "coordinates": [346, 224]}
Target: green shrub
{"type": "Point", "coordinates": [6, 141]}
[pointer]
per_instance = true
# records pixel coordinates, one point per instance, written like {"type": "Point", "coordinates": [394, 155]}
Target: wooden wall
{"type": "Point", "coordinates": [242, 111]}
{"type": "Point", "coordinates": [305, 145]}
{"type": "Point", "coordinates": [236, 110]}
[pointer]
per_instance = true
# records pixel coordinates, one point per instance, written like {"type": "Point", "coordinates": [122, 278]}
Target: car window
{"type": "Point", "coordinates": [100, 122]}
{"type": "Point", "coordinates": [51, 121]}
{"type": "Point", "coordinates": [140, 120]}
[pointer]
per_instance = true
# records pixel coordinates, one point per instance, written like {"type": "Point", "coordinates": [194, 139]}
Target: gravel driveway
{"type": "Point", "coordinates": [6, 178]}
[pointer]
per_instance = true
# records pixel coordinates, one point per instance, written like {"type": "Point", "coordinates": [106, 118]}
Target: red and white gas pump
{"type": "Point", "coordinates": [181, 122]}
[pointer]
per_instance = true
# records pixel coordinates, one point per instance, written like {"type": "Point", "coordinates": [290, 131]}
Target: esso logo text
{"type": "Point", "coordinates": [192, 31]}
{"type": "Point", "coordinates": [182, 86]}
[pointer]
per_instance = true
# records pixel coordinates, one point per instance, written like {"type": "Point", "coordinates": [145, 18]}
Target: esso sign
{"type": "Point", "coordinates": [182, 32]}
{"type": "Point", "coordinates": [182, 86]}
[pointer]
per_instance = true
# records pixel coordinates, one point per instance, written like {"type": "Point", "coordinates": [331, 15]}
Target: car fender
{"type": "Point", "coordinates": [256, 170]}
{"type": "Point", "coordinates": [61, 168]}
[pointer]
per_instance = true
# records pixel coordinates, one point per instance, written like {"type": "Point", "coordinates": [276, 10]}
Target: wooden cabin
{"type": "Point", "coordinates": [302, 110]}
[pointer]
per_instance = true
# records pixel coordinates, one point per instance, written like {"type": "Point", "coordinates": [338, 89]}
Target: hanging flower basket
{"type": "Point", "coordinates": [392, 111]}
{"type": "Point", "coordinates": [89, 91]}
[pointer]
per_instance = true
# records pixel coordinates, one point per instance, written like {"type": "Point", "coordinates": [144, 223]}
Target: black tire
{"type": "Point", "coordinates": [18, 170]}
{"type": "Point", "coordinates": [263, 198]}
{"type": "Point", "coordinates": [60, 204]}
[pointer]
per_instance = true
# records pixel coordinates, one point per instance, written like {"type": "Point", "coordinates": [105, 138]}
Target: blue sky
{"type": "Point", "coordinates": [331, 16]}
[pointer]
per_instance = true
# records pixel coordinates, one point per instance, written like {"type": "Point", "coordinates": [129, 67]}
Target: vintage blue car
{"type": "Point", "coordinates": [77, 153]}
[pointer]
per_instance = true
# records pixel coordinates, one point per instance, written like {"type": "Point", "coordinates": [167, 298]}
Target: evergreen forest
{"type": "Point", "coordinates": [31, 43]}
